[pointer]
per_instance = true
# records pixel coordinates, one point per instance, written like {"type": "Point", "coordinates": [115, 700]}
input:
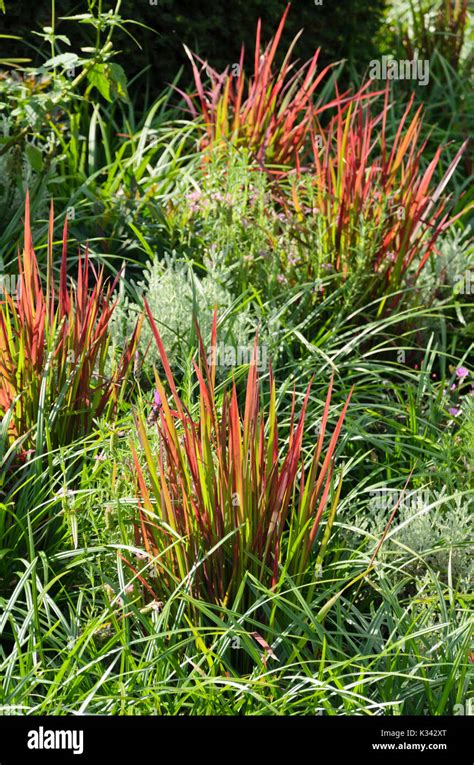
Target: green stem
{"type": "Point", "coordinates": [14, 140]}
{"type": "Point", "coordinates": [90, 65]}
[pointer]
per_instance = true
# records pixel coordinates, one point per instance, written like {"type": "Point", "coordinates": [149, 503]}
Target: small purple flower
{"type": "Point", "coordinates": [454, 410]}
{"type": "Point", "coordinates": [462, 372]}
{"type": "Point", "coordinates": [155, 410]}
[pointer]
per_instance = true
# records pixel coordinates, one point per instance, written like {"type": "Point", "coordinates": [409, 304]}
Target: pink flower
{"type": "Point", "coordinates": [454, 410]}
{"type": "Point", "coordinates": [194, 196]}
{"type": "Point", "coordinates": [462, 372]}
{"type": "Point", "coordinates": [155, 410]}
{"type": "Point", "coordinates": [195, 199]}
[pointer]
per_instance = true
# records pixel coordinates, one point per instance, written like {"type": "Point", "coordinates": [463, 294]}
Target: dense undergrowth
{"type": "Point", "coordinates": [236, 411]}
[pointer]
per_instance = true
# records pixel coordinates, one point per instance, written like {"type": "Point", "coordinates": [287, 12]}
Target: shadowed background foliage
{"type": "Point", "coordinates": [343, 29]}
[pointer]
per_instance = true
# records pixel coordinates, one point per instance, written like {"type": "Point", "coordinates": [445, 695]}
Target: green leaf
{"type": "Point", "coordinates": [65, 60]}
{"type": "Point", "coordinates": [119, 80]}
{"type": "Point", "coordinates": [97, 76]}
{"type": "Point", "coordinates": [110, 80]}
{"type": "Point", "coordinates": [77, 17]}
{"type": "Point", "coordinates": [35, 158]}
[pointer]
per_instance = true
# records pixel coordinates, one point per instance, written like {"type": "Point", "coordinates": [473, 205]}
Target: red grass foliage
{"type": "Point", "coordinates": [53, 347]}
{"type": "Point", "coordinates": [224, 496]}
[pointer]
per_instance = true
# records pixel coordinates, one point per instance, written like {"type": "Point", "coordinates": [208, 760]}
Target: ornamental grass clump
{"type": "Point", "coordinates": [53, 349]}
{"type": "Point", "coordinates": [271, 112]}
{"type": "Point", "coordinates": [369, 206]}
{"type": "Point", "coordinates": [223, 497]}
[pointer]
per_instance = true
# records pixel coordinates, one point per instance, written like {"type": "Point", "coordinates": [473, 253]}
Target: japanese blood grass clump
{"type": "Point", "coordinates": [53, 349]}
{"type": "Point", "coordinates": [271, 112]}
{"type": "Point", "coordinates": [223, 499]}
{"type": "Point", "coordinates": [369, 208]}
